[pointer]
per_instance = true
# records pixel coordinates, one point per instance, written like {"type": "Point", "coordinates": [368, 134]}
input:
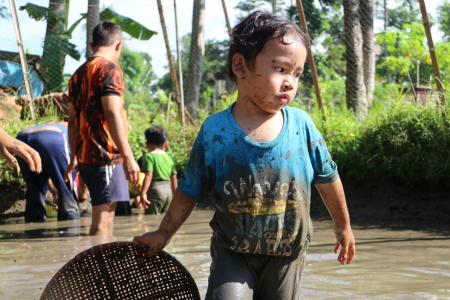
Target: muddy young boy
{"type": "Point", "coordinates": [260, 159]}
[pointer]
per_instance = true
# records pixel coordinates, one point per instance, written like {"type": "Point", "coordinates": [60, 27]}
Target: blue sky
{"type": "Point", "coordinates": [143, 11]}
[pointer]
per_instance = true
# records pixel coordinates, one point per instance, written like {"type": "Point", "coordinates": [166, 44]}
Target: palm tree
{"type": "Point", "coordinates": [93, 18]}
{"type": "Point", "coordinates": [53, 56]}
{"type": "Point", "coordinates": [359, 74]}
{"type": "Point", "coordinates": [197, 52]}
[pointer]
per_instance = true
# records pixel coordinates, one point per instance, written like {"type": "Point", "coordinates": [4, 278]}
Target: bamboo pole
{"type": "Point", "coordinates": [173, 75]}
{"type": "Point", "coordinates": [312, 64]}
{"type": "Point", "coordinates": [23, 59]}
{"type": "Point", "coordinates": [169, 99]}
{"type": "Point", "coordinates": [437, 75]}
{"type": "Point", "coordinates": [226, 17]}
{"type": "Point", "coordinates": [180, 70]}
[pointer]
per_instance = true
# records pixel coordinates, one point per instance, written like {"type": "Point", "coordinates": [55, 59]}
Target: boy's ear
{"type": "Point", "coordinates": [118, 45]}
{"type": "Point", "coordinates": [238, 64]}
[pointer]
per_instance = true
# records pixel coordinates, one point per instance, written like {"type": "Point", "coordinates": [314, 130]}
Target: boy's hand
{"type": "Point", "coordinates": [346, 242]}
{"type": "Point", "coordinates": [156, 240]}
{"type": "Point", "coordinates": [73, 165]}
{"type": "Point", "coordinates": [131, 169]}
{"type": "Point", "coordinates": [144, 201]}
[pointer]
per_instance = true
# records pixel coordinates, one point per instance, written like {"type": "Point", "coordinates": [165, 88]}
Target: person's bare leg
{"type": "Point", "coordinates": [82, 189]}
{"type": "Point", "coordinates": [103, 219]}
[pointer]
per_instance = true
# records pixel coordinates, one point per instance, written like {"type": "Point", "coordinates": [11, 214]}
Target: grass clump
{"type": "Point", "coordinates": [400, 141]}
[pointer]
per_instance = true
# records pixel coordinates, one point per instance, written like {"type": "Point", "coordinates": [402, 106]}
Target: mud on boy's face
{"type": "Point", "coordinates": [272, 83]}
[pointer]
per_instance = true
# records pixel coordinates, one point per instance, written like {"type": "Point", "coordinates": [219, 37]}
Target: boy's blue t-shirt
{"type": "Point", "coordinates": [261, 190]}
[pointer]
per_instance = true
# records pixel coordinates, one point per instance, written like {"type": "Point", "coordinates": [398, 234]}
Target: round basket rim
{"type": "Point", "coordinates": [118, 244]}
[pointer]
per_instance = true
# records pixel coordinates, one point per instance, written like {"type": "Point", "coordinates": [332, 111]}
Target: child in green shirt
{"type": "Point", "coordinates": [160, 179]}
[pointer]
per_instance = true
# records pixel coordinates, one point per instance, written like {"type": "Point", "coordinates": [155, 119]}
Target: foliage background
{"type": "Point", "coordinates": [401, 140]}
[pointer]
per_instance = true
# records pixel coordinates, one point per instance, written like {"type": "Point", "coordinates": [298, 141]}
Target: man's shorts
{"type": "Point", "coordinates": [105, 183]}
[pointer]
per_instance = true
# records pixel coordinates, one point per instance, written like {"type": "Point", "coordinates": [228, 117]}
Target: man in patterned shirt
{"type": "Point", "coordinates": [98, 128]}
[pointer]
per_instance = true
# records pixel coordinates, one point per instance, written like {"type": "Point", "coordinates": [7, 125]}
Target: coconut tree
{"type": "Point", "coordinates": [93, 18]}
{"type": "Point", "coordinates": [195, 71]}
{"type": "Point", "coordinates": [56, 42]}
{"type": "Point", "coordinates": [360, 72]}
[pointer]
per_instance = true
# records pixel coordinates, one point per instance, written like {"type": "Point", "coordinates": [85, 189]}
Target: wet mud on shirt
{"type": "Point", "coordinates": [261, 190]}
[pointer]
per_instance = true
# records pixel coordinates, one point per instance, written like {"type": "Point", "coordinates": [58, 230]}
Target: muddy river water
{"type": "Point", "coordinates": [391, 263]}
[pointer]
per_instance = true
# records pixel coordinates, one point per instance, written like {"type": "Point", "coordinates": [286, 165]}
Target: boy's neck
{"type": "Point", "coordinates": [106, 53]}
{"type": "Point", "coordinates": [152, 148]}
{"type": "Point", "coordinates": [257, 124]}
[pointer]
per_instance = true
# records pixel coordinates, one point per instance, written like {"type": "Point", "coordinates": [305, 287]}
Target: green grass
{"type": "Point", "coordinates": [400, 141]}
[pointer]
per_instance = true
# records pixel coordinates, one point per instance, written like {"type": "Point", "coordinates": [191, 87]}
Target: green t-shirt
{"type": "Point", "coordinates": [160, 163]}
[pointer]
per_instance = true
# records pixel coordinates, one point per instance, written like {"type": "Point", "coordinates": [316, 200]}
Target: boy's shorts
{"type": "Point", "coordinates": [253, 276]}
{"type": "Point", "coordinates": [105, 183]}
{"type": "Point", "coordinates": [160, 195]}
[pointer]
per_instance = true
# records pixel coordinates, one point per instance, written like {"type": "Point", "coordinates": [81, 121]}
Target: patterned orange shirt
{"type": "Point", "coordinates": [96, 78]}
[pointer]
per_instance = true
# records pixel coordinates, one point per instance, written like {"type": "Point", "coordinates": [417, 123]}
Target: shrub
{"type": "Point", "coordinates": [400, 141]}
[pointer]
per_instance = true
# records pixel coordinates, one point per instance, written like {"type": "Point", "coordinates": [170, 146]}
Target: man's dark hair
{"type": "Point", "coordinates": [251, 35]}
{"type": "Point", "coordinates": [105, 34]}
{"type": "Point", "coordinates": [156, 135]}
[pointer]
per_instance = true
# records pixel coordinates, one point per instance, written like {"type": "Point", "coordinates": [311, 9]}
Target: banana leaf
{"type": "Point", "coordinates": [130, 26]}
{"type": "Point", "coordinates": [39, 13]}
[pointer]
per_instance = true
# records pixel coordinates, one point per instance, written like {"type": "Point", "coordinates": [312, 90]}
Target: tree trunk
{"type": "Point", "coordinates": [354, 84]}
{"type": "Point", "coordinates": [197, 52]}
{"type": "Point", "coordinates": [180, 70]}
{"type": "Point", "coordinates": [53, 56]}
{"type": "Point", "coordinates": [366, 8]}
{"type": "Point", "coordinates": [93, 18]}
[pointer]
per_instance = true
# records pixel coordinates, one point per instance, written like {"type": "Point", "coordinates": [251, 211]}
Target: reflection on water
{"type": "Point", "coordinates": [390, 264]}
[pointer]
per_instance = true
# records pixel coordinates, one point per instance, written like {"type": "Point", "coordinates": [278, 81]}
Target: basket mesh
{"type": "Point", "coordinates": [121, 270]}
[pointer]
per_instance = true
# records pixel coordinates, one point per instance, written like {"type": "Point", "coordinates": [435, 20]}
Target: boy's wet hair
{"type": "Point", "coordinates": [156, 135]}
{"type": "Point", "coordinates": [106, 33]}
{"type": "Point", "coordinates": [251, 35]}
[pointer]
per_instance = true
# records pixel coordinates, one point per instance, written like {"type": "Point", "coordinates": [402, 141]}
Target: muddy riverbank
{"type": "Point", "coordinates": [368, 203]}
{"type": "Point", "coordinates": [391, 204]}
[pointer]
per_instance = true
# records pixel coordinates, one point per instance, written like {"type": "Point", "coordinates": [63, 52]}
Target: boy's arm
{"type": "Point", "coordinates": [112, 106]}
{"type": "Point", "coordinates": [144, 189]}
{"type": "Point", "coordinates": [179, 210]}
{"type": "Point", "coordinates": [173, 182]}
{"type": "Point", "coordinates": [334, 198]}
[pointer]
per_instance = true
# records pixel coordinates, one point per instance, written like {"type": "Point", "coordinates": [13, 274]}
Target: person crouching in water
{"type": "Point", "coordinates": [51, 141]}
